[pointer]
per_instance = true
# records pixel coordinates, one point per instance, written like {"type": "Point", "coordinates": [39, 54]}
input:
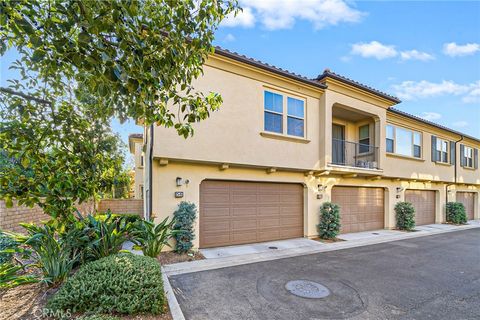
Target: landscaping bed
{"type": "Point", "coordinates": [172, 257]}
{"type": "Point", "coordinates": [328, 240]}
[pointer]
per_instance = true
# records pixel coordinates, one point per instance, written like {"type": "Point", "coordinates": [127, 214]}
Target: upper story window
{"type": "Point", "coordinates": [442, 150]}
{"type": "Point", "coordinates": [468, 157]}
{"type": "Point", "coordinates": [275, 107]}
{"type": "Point", "coordinates": [404, 141]}
{"type": "Point", "coordinates": [364, 138]}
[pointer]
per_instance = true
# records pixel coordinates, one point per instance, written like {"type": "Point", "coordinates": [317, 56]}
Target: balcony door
{"type": "Point", "coordinates": [338, 144]}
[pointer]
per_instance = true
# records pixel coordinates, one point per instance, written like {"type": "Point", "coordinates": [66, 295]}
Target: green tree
{"type": "Point", "coordinates": [137, 57]}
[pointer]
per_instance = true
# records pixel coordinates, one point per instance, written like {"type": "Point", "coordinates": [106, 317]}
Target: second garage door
{"type": "Point", "coordinates": [424, 203]}
{"type": "Point", "coordinates": [234, 212]}
{"type": "Point", "coordinates": [361, 209]}
{"type": "Point", "coordinates": [468, 200]}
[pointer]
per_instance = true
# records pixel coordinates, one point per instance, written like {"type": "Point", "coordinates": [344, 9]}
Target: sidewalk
{"type": "Point", "coordinates": [245, 254]}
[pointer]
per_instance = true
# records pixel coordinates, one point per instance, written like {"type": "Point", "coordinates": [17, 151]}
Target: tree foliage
{"type": "Point", "coordinates": [137, 57]}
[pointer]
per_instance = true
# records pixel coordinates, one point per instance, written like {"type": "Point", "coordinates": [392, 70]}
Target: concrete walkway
{"type": "Point", "coordinates": [245, 254]}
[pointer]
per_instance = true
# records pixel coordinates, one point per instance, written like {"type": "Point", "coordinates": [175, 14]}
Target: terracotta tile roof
{"type": "Point", "coordinates": [135, 136]}
{"type": "Point", "coordinates": [336, 76]}
{"type": "Point", "coordinates": [268, 67]}
{"type": "Point", "coordinates": [413, 117]}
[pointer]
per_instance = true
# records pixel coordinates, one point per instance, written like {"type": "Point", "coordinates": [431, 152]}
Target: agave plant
{"type": "Point", "coordinates": [10, 277]}
{"type": "Point", "coordinates": [151, 238]}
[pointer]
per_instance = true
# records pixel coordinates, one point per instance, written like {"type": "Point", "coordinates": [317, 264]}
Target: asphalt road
{"type": "Point", "coordinates": [433, 277]}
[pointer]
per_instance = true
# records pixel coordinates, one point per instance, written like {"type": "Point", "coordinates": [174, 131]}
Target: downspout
{"type": "Point", "coordinates": [150, 170]}
{"type": "Point", "coordinates": [454, 172]}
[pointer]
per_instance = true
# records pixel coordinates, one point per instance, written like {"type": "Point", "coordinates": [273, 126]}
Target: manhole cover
{"type": "Point", "coordinates": [307, 289]}
{"type": "Point", "coordinates": [375, 233]}
{"type": "Point", "coordinates": [273, 248]}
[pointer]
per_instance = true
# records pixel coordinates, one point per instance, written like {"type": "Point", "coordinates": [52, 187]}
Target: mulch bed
{"type": "Point", "coordinates": [328, 240]}
{"type": "Point", "coordinates": [171, 257]}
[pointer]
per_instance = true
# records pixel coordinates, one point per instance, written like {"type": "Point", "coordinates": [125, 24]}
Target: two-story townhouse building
{"type": "Point", "coordinates": [135, 145]}
{"type": "Point", "coordinates": [281, 145]}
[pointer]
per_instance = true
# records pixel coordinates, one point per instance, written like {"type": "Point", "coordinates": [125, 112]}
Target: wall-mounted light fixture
{"type": "Point", "coordinates": [179, 181]}
{"type": "Point", "coordinates": [400, 189]}
{"type": "Point", "coordinates": [321, 188]}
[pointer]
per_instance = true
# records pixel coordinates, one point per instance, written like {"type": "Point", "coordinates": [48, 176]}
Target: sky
{"type": "Point", "coordinates": [426, 53]}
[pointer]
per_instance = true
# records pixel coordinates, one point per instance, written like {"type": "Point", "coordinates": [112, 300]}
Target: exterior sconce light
{"type": "Point", "coordinates": [321, 188]}
{"type": "Point", "coordinates": [400, 189]}
{"type": "Point", "coordinates": [179, 181]}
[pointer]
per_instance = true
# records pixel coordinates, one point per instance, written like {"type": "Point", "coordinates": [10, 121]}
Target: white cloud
{"type": "Point", "coordinates": [455, 50]}
{"type": "Point", "coordinates": [243, 18]}
{"type": "Point", "coordinates": [374, 49]}
{"type": "Point", "coordinates": [229, 38]}
{"type": "Point", "coordinates": [282, 14]}
{"type": "Point", "coordinates": [416, 55]}
{"type": "Point", "coordinates": [430, 116]}
{"type": "Point", "coordinates": [460, 124]}
{"type": "Point", "coordinates": [412, 90]}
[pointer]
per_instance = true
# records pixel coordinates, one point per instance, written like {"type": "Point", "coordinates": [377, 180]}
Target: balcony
{"type": "Point", "coordinates": [353, 154]}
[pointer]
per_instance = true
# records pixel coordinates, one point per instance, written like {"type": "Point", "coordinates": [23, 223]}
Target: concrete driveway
{"type": "Point", "coordinates": [433, 277]}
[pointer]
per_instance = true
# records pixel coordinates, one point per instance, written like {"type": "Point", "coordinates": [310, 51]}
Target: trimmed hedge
{"type": "Point", "coordinates": [99, 317]}
{"type": "Point", "coordinates": [456, 213]}
{"type": "Point", "coordinates": [122, 283]}
{"type": "Point", "coordinates": [329, 226]}
{"type": "Point", "coordinates": [405, 214]}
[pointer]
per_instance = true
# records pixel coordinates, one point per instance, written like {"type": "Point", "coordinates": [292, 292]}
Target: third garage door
{"type": "Point", "coordinates": [424, 203]}
{"type": "Point", "coordinates": [361, 209]}
{"type": "Point", "coordinates": [468, 200]}
{"type": "Point", "coordinates": [236, 212]}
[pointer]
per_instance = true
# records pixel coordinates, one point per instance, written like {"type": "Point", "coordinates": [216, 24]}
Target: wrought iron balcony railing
{"type": "Point", "coordinates": [353, 154]}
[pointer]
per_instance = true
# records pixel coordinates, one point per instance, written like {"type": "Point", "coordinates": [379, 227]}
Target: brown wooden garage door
{"type": "Point", "coordinates": [424, 203]}
{"type": "Point", "coordinates": [361, 209]}
{"type": "Point", "coordinates": [468, 200]}
{"type": "Point", "coordinates": [233, 212]}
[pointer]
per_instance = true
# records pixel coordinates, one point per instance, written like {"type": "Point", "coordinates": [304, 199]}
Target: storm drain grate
{"type": "Point", "coordinates": [273, 248]}
{"type": "Point", "coordinates": [307, 289]}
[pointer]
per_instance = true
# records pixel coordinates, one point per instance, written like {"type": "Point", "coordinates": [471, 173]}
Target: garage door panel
{"type": "Point", "coordinates": [424, 203]}
{"type": "Point", "coordinates": [361, 209]}
{"type": "Point", "coordinates": [468, 200]}
{"type": "Point", "coordinates": [254, 212]}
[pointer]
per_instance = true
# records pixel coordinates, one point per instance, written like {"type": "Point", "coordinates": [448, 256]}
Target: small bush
{"type": "Point", "coordinates": [456, 213]}
{"type": "Point", "coordinates": [405, 213]}
{"type": "Point", "coordinates": [329, 226]}
{"type": "Point", "coordinates": [123, 283]}
{"type": "Point", "coordinates": [185, 217]}
{"type": "Point", "coordinates": [6, 243]}
{"type": "Point", "coordinates": [151, 238]}
{"type": "Point", "coordinates": [99, 317]}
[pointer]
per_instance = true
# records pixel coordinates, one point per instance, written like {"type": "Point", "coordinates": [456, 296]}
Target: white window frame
{"type": "Point", "coordinates": [442, 142]}
{"type": "Point", "coordinates": [413, 141]}
{"type": "Point", "coordinates": [285, 115]}
{"type": "Point", "coordinates": [470, 158]}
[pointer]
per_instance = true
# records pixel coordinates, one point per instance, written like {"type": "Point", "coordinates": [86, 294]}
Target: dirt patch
{"type": "Point", "coordinates": [328, 240]}
{"type": "Point", "coordinates": [26, 302]}
{"type": "Point", "coordinates": [173, 257]}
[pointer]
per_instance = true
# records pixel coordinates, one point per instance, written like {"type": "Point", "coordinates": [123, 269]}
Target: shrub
{"type": "Point", "coordinates": [10, 276]}
{"type": "Point", "coordinates": [456, 213]}
{"type": "Point", "coordinates": [405, 214]}
{"type": "Point", "coordinates": [6, 243]}
{"type": "Point", "coordinates": [99, 317]}
{"type": "Point", "coordinates": [123, 283]}
{"type": "Point", "coordinates": [127, 217]}
{"type": "Point", "coordinates": [47, 252]}
{"type": "Point", "coordinates": [184, 217]}
{"type": "Point", "coordinates": [329, 226]}
{"type": "Point", "coordinates": [152, 238]}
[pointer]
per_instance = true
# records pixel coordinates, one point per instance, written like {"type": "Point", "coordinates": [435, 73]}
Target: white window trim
{"type": "Point", "coordinates": [285, 114]}
{"type": "Point", "coordinates": [413, 141]}
{"type": "Point", "coordinates": [442, 143]}
{"type": "Point", "coordinates": [465, 152]}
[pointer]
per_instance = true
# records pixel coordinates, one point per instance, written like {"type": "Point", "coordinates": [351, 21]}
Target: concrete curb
{"type": "Point", "coordinates": [175, 310]}
{"type": "Point", "coordinates": [211, 264]}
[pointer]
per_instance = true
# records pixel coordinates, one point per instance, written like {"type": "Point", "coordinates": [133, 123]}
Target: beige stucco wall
{"type": "Point", "coordinates": [138, 169]}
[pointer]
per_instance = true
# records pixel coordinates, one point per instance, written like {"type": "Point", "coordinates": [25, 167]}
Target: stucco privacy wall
{"type": "Point", "coordinates": [165, 203]}
{"type": "Point", "coordinates": [125, 206]}
{"type": "Point", "coordinates": [10, 218]}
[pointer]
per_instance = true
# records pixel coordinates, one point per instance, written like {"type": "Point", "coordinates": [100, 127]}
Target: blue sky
{"type": "Point", "coordinates": [426, 53]}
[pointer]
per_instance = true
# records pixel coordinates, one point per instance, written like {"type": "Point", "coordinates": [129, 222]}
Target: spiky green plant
{"type": "Point", "coordinates": [10, 276]}
{"type": "Point", "coordinates": [151, 238]}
